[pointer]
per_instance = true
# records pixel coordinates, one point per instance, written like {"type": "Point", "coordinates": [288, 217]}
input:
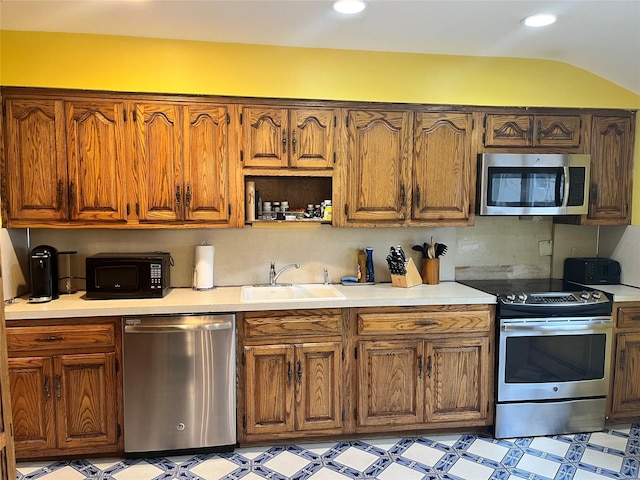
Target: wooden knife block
{"type": "Point", "coordinates": [410, 279]}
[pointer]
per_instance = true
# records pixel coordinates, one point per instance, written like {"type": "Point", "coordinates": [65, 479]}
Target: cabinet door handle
{"type": "Point", "coordinates": [418, 204]}
{"type": "Point", "coordinates": [635, 317]}
{"type": "Point", "coordinates": [419, 366]}
{"type": "Point", "coordinates": [594, 194]}
{"type": "Point", "coordinates": [403, 195]}
{"type": "Point", "coordinates": [425, 323]}
{"type": "Point", "coordinates": [49, 339]}
{"type": "Point", "coordinates": [72, 193]}
{"type": "Point", "coordinates": [623, 359]}
{"type": "Point", "coordinates": [188, 195]}
{"type": "Point", "coordinates": [178, 195]}
{"type": "Point", "coordinates": [539, 130]}
{"type": "Point", "coordinates": [284, 142]}
{"type": "Point", "coordinates": [47, 388]}
{"type": "Point", "coordinates": [299, 372]}
{"type": "Point", "coordinates": [60, 193]}
{"type": "Point", "coordinates": [58, 387]}
{"type": "Point", "coordinates": [289, 374]}
{"type": "Point", "coordinates": [429, 366]}
{"type": "Point", "coordinates": [293, 141]}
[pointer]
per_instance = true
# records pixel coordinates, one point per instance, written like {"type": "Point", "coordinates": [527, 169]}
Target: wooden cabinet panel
{"type": "Point", "coordinates": [311, 138]}
{"type": "Point", "coordinates": [388, 374]}
{"type": "Point", "coordinates": [628, 317]}
{"type": "Point", "coordinates": [611, 170]}
{"type": "Point", "coordinates": [626, 393]}
{"type": "Point", "coordinates": [456, 372]}
{"type": "Point", "coordinates": [38, 339]}
{"type": "Point", "coordinates": [293, 323]}
{"type": "Point", "coordinates": [379, 149]}
{"type": "Point", "coordinates": [269, 389]}
{"type": "Point", "coordinates": [319, 386]}
{"type": "Point", "coordinates": [265, 136]}
{"type": "Point", "coordinates": [508, 130]}
{"type": "Point", "coordinates": [442, 166]}
{"type": "Point", "coordinates": [158, 150]}
{"type": "Point", "coordinates": [558, 131]}
{"type": "Point", "coordinates": [32, 390]}
{"type": "Point", "coordinates": [87, 409]}
{"type": "Point", "coordinates": [96, 160]}
{"type": "Point", "coordinates": [424, 322]}
{"type": "Point", "coordinates": [36, 160]}
{"type": "Point", "coordinates": [207, 164]}
{"type": "Point", "coordinates": [513, 130]}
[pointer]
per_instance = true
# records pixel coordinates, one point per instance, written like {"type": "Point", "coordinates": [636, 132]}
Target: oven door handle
{"type": "Point", "coordinates": [567, 185]}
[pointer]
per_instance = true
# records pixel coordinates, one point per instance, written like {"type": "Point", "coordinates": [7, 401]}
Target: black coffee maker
{"type": "Point", "coordinates": [43, 268]}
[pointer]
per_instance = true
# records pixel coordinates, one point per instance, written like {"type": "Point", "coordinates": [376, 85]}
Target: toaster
{"type": "Point", "coordinates": [592, 271]}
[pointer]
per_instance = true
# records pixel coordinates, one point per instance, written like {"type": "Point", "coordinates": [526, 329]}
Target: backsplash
{"type": "Point", "coordinates": [496, 247]}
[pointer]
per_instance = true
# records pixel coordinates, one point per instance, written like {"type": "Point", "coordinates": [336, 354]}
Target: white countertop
{"type": "Point", "coordinates": [621, 293]}
{"type": "Point", "coordinates": [227, 299]}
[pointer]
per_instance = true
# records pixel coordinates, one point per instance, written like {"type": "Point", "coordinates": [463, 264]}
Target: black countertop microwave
{"type": "Point", "coordinates": [128, 275]}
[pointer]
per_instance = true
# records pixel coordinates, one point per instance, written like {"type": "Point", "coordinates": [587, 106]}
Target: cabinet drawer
{"type": "Point", "coordinates": [629, 317]}
{"type": "Point", "coordinates": [424, 322]}
{"type": "Point", "coordinates": [59, 337]}
{"type": "Point", "coordinates": [296, 324]}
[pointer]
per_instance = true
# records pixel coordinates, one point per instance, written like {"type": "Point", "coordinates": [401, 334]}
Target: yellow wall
{"type": "Point", "coordinates": [170, 66]}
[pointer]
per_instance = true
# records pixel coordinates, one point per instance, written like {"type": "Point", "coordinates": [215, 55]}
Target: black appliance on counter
{"type": "Point", "coordinates": [43, 271]}
{"type": "Point", "coordinates": [592, 271]}
{"type": "Point", "coordinates": [553, 344]}
{"type": "Point", "coordinates": [128, 275]}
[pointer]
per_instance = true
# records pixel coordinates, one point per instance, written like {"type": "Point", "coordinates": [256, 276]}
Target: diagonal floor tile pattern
{"type": "Point", "coordinates": [612, 454]}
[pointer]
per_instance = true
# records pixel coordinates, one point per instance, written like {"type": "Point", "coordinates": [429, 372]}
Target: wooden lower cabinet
{"type": "Point", "coordinates": [441, 376]}
{"type": "Point", "coordinates": [625, 398]}
{"type": "Point", "coordinates": [66, 401]}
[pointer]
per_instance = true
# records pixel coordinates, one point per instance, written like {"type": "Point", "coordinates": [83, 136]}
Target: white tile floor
{"type": "Point", "coordinates": [614, 453]}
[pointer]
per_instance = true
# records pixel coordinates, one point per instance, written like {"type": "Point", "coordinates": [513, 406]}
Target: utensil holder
{"type": "Point", "coordinates": [409, 279]}
{"type": "Point", "coordinates": [431, 271]}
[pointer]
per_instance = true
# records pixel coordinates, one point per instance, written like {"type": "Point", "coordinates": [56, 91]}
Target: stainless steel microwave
{"type": "Point", "coordinates": [128, 275]}
{"type": "Point", "coordinates": [533, 184]}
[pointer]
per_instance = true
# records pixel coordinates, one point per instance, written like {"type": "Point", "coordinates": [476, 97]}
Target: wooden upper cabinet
{"type": "Point", "coordinates": [96, 160]}
{"type": "Point", "coordinates": [442, 167]}
{"type": "Point", "coordinates": [504, 130]}
{"type": "Point", "coordinates": [281, 138]}
{"type": "Point", "coordinates": [36, 169]}
{"type": "Point", "coordinates": [379, 149]}
{"type": "Point", "coordinates": [183, 162]}
{"type": "Point", "coordinates": [611, 170]}
{"type": "Point", "coordinates": [158, 150]}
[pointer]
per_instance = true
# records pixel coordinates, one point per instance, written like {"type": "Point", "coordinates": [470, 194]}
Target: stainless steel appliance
{"type": "Point", "coordinates": [592, 271]}
{"type": "Point", "coordinates": [179, 383]}
{"type": "Point", "coordinates": [533, 184]}
{"type": "Point", "coordinates": [553, 357]}
{"type": "Point", "coordinates": [128, 275]}
{"type": "Point", "coordinates": [43, 271]}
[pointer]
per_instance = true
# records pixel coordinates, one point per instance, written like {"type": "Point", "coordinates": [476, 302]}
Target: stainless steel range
{"type": "Point", "coordinates": [553, 356]}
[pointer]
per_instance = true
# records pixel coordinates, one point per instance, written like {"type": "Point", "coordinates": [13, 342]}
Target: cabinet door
{"type": "Point", "coordinates": [611, 160]}
{"type": "Point", "coordinates": [265, 136]}
{"type": "Point", "coordinates": [86, 400]}
{"type": "Point", "coordinates": [158, 151]}
{"type": "Point", "coordinates": [95, 152]}
{"type": "Point", "coordinates": [378, 153]}
{"type": "Point", "coordinates": [32, 396]}
{"type": "Point", "coordinates": [557, 130]}
{"type": "Point", "coordinates": [508, 130]}
{"type": "Point", "coordinates": [442, 166]}
{"type": "Point", "coordinates": [206, 163]}
{"type": "Point", "coordinates": [36, 160]}
{"type": "Point", "coordinates": [456, 374]}
{"type": "Point", "coordinates": [311, 138]}
{"type": "Point", "coordinates": [318, 379]}
{"type": "Point", "coordinates": [626, 388]}
{"type": "Point", "coordinates": [390, 383]}
{"type": "Point", "coordinates": [269, 389]}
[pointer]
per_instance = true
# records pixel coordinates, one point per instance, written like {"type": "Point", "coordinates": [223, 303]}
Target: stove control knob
{"type": "Point", "coordinates": [596, 295]}
{"type": "Point", "coordinates": [522, 297]}
{"type": "Point", "coordinates": [511, 297]}
{"type": "Point", "coordinates": [585, 296]}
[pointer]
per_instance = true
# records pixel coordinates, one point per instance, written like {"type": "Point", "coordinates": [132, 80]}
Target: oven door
{"type": "Point", "coordinates": [553, 358]}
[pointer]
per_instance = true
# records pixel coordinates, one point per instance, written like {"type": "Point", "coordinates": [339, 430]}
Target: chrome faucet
{"type": "Point", "coordinates": [273, 276]}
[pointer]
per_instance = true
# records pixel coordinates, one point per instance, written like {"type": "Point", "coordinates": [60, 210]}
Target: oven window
{"type": "Point", "coordinates": [555, 358]}
{"type": "Point", "coordinates": [124, 277]}
{"type": "Point", "coordinates": [525, 187]}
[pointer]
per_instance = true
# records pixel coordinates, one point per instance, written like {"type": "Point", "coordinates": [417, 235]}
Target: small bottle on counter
{"type": "Point", "coordinates": [370, 275]}
{"type": "Point", "coordinates": [362, 266]}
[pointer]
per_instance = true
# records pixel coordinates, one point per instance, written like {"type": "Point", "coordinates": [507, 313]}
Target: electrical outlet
{"type": "Point", "coordinates": [545, 248]}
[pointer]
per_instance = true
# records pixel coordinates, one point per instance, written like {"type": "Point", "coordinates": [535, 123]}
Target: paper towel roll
{"type": "Point", "coordinates": [250, 201]}
{"type": "Point", "coordinates": [203, 275]}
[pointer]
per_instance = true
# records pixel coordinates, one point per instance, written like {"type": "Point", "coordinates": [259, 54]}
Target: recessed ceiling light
{"type": "Point", "coordinates": [539, 20]}
{"type": "Point", "coordinates": [349, 7]}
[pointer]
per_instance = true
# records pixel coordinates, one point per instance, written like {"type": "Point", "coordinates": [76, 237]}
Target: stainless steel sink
{"type": "Point", "coordinates": [289, 293]}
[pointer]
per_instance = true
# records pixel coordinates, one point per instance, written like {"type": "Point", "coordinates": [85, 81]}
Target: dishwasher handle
{"type": "Point", "coordinates": [177, 328]}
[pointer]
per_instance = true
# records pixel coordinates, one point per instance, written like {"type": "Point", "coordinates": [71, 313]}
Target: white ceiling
{"type": "Point", "coordinates": [601, 36]}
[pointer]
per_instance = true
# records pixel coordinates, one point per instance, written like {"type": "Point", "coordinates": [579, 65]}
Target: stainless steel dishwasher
{"type": "Point", "coordinates": [179, 382]}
